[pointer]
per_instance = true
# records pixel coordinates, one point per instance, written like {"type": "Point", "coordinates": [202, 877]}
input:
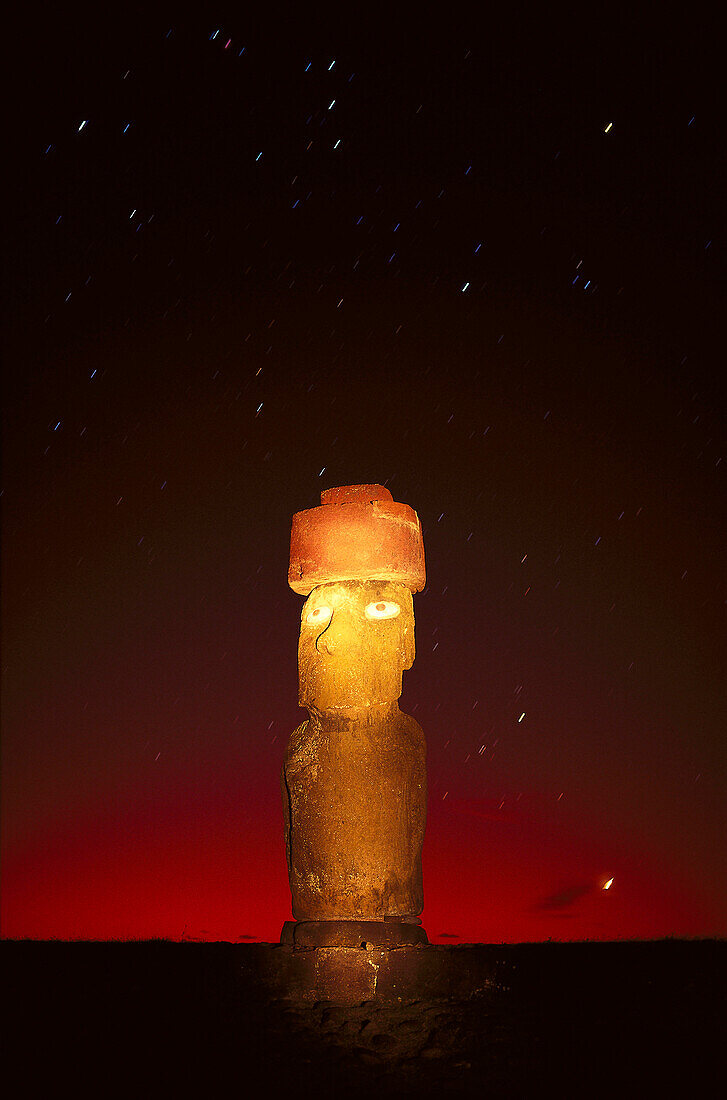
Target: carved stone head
{"type": "Point", "coordinates": [357, 558]}
{"type": "Point", "coordinates": [356, 639]}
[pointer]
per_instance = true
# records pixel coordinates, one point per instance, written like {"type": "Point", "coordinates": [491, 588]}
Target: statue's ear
{"type": "Point", "coordinates": [408, 647]}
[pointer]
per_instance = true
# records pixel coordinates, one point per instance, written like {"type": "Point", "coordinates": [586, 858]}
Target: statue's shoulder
{"type": "Point", "coordinates": [410, 727]}
{"type": "Point", "coordinates": [299, 733]}
{"type": "Point", "coordinates": [298, 741]}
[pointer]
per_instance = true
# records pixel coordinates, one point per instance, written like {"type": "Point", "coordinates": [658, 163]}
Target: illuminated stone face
{"type": "Point", "coordinates": [356, 639]}
{"type": "Point", "coordinates": [354, 783]}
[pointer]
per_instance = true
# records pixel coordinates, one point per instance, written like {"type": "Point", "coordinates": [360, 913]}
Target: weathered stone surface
{"type": "Point", "coordinates": [356, 640]}
{"type": "Point", "coordinates": [358, 532]}
{"type": "Point", "coordinates": [338, 974]}
{"type": "Point", "coordinates": [354, 777]}
{"type": "Point", "coordinates": [355, 494]}
{"type": "Point", "coordinates": [354, 795]}
{"type": "Point", "coordinates": [344, 975]}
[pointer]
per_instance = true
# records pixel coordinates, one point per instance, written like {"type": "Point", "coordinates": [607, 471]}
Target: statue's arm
{"type": "Point", "coordinates": [285, 790]}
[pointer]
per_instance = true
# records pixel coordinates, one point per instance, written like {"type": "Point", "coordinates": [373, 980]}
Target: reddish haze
{"type": "Point", "coordinates": [243, 272]}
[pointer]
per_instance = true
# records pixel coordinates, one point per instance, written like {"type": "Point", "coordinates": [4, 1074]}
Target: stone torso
{"type": "Point", "coordinates": [354, 796]}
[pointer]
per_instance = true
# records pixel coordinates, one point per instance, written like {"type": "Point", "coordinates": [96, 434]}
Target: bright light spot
{"type": "Point", "coordinates": [521, 716]}
{"type": "Point", "coordinates": [131, 215]}
{"type": "Point", "coordinates": [84, 123]}
{"type": "Point", "coordinates": [608, 127]}
{"type": "Point", "coordinates": [257, 158]}
{"type": "Point", "coordinates": [332, 64]}
{"type": "Point", "coordinates": [607, 884]}
{"type": "Point", "coordinates": [465, 287]}
{"type": "Point", "coordinates": [384, 609]}
{"type": "Point", "coordinates": [331, 104]}
{"type": "Point", "coordinates": [337, 144]}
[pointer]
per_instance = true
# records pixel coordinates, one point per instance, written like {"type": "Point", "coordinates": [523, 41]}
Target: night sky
{"type": "Point", "coordinates": [483, 266]}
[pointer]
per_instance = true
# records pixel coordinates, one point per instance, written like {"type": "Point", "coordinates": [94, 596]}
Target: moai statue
{"type": "Point", "coordinates": [354, 778]}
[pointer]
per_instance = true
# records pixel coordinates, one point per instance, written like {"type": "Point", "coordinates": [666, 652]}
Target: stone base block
{"type": "Point", "coordinates": [350, 975]}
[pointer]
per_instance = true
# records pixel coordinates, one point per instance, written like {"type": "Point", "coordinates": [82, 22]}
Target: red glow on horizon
{"type": "Point", "coordinates": [211, 873]}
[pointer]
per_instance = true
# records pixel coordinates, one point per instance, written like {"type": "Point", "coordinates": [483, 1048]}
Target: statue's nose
{"type": "Point", "coordinates": [336, 636]}
{"type": "Point", "coordinates": [330, 640]}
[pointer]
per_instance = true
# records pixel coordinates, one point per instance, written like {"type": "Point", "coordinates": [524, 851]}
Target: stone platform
{"type": "Point", "coordinates": [347, 962]}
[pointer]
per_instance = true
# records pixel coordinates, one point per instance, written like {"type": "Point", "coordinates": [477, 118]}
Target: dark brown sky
{"type": "Point", "coordinates": [485, 270]}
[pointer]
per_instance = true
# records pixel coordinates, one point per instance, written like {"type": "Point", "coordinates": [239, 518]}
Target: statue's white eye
{"type": "Point", "coordinates": [320, 614]}
{"type": "Point", "coordinates": [384, 609]}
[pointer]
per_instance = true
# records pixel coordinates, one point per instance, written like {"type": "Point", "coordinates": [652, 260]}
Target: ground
{"type": "Point", "coordinates": [575, 1019]}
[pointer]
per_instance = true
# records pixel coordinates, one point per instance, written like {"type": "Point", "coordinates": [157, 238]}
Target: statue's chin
{"type": "Point", "coordinates": [326, 693]}
{"type": "Point", "coordinates": [326, 705]}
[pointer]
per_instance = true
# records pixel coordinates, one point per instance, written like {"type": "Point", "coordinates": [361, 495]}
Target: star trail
{"type": "Point", "coordinates": [485, 271]}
